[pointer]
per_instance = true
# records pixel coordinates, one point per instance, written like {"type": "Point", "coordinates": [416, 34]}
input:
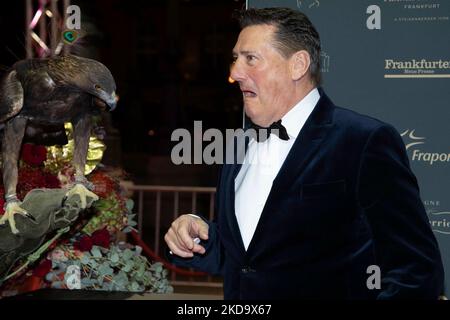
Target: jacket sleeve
{"type": "Point", "coordinates": [405, 247]}
{"type": "Point", "coordinates": [212, 261]}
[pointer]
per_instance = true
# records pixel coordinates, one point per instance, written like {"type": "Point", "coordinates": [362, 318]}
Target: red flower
{"type": "Point", "coordinates": [84, 244]}
{"type": "Point", "coordinates": [42, 269]}
{"type": "Point", "coordinates": [34, 155]}
{"type": "Point", "coordinates": [101, 238]}
{"type": "Point", "coordinates": [29, 179]}
{"type": "Point", "coordinates": [103, 184]}
{"type": "Point", "coordinates": [51, 181]}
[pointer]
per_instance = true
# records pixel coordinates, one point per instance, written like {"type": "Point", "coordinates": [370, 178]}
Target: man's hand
{"type": "Point", "coordinates": [181, 235]}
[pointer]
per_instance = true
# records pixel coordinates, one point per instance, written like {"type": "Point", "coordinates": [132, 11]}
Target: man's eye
{"type": "Point", "coordinates": [233, 60]}
{"type": "Point", "coordinates": [250, 58]}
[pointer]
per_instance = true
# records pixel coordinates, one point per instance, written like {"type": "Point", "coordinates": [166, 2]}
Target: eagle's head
{"type": "Point", "coordinates": [92, 77]}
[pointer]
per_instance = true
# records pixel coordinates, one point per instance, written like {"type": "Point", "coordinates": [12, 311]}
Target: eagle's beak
{"type": "Point", "coordinates": [112, 102]}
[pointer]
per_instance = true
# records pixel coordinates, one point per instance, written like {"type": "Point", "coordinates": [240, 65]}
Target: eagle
{"type": "Point", "coordinates": [37, 96]}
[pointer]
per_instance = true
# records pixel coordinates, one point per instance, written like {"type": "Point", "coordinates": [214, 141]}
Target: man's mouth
{"type": "Point", "coordinates": [248, 94]}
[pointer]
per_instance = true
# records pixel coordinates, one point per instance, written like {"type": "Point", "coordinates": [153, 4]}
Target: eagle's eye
{"type": "Point", "coordinates": [98, 87]}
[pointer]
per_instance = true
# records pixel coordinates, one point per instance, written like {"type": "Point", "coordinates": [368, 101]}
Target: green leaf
{"type": "Point", "coordinates": [121, 280]}
{"type": "Point", "coordinates": [128, 230]}
{"type": "Point", "coordinates": [129, 204]}
{"type": "Point", "coordinates": [169, 289]}
{"type": "Point", "coordinates": [147, 276]}
{"type": "Point", "coordinates": [88, 282]}
{"type": "Point", "coordinates": [134, 286]}
{"type": "Point", "coordinates": [114, 258]}
{"type": "Point", "coordinates": [132, 223]}
{"type": "Point", "coordinates": [157, 267]}
{"type": "Point", "coordinates": [127, 254]}
{"type": "Point", "coordinates": [107, 286]}
{"type": "Point", "coordinates": [129, 264]}
{"type": "Point", "coordinates": [93, 264]}
{"type": "Point", "coordinates": [140, 270]}
{"type": "Point", "coordinates": [105, 270]}
{"type": "Point", "coordinates": [96, 253]}
{"type": "Point", "coordinates": [86, 258]}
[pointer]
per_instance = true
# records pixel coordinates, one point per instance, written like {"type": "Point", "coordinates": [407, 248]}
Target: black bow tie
{"type": "Point", "coordinates": [262, 133]}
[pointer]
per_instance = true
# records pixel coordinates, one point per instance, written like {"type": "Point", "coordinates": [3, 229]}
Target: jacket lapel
{"type": "Point", "coordinates": [230, 213]}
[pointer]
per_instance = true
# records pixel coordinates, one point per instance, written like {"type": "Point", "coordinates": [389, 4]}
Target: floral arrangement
{"type": "Point", "coordinates": [96, 255]}
{"type": "Point", "coordinates": [93, 262]}
{"type": "Point", "coordinates": [31, 173]}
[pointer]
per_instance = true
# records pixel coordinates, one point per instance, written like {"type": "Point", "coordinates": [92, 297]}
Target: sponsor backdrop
{"type": "Point", "coordinates": [390, 59]}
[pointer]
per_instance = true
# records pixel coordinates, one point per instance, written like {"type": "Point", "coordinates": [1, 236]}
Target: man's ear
{"type": "Point", "coordinates": [299, 63]}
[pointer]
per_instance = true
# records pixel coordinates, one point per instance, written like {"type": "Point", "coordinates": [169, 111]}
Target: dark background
{"type": "Point", "coordinates": [170, 59]}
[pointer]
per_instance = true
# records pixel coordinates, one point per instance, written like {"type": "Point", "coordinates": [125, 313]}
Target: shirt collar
{"type": "Point", "coordinates": [297, 116]}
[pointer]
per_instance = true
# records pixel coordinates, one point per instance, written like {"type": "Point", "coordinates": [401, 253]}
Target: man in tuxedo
{"type": "Point", "coordinates": [317, 210]}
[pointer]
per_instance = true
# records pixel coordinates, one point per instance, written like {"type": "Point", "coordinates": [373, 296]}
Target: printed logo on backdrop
{"type": "Point", "coordinates": [418, 11]}
{"type": "Point", "coordinates": [415, 145]}
{"type": "Point", "coordinates": [325, 62]}
{"type": "Point", "coordinates": [308, 4]}
{"type": "Point", "coordinates": [417, 68]}
{"type": "Point", "coordinates": [73, 24]}
{"type": "Point", "coordinates": [374, 19]}
{"type": "Point", "coordinates": [439, 219]}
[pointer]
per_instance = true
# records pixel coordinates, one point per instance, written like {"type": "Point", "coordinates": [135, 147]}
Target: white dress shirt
{"type": "Point", "coordinates": [261, 164]}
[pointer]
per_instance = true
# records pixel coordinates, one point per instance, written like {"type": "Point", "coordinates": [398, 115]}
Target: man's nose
{"type": "Point", "coordinates": [236, 72]}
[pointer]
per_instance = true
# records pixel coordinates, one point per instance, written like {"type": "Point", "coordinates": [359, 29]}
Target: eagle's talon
{"type": "Point", "coordinates": [11, 209]}
{"type": "Point", "coordinates": [80, 190]}
{"type": "Point", "coordinates": [85, 182]}
{"type": "Point", "coordinates": [30, 217]}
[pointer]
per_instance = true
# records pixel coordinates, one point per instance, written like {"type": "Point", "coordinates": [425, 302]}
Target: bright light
{"type": "Point", "coordinates": [231, 80]}
{"type": "Point", "coordinates": [49, 13]}
{"type": "Point", "coordinates": [35, 19]}
{"type": "Point", "coordinates": [39, 41]}
{"type": "Point", "coordinates": [59, 48]}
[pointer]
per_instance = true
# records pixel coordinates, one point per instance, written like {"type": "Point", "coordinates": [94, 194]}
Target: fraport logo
{"type": "Point", "coordinates": [414, 143]}
{"type": "Point", "coordinates": [308, 4]}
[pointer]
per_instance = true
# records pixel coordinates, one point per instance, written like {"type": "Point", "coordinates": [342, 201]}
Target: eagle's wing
{"type": "Point", "coordinates": [11, 96]}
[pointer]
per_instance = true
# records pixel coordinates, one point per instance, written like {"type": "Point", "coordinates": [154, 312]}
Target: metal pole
{"type": "Point", "coordinates": [157, 221]}
{"type": "Point", "coordinates": [66, 4]}
{"type": "Point", "coordinates": [28, 13]}
{"type": "Point", "coordinates": [194, 202]}
{"type": "Point", "coordinates": [42, 27]}
{"type": "Point", "coordinates": [140, 212]}
{"type": "Point", "coordinates": [54, 27]}
{"type": "Point", "coordinates": [176, 204]}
